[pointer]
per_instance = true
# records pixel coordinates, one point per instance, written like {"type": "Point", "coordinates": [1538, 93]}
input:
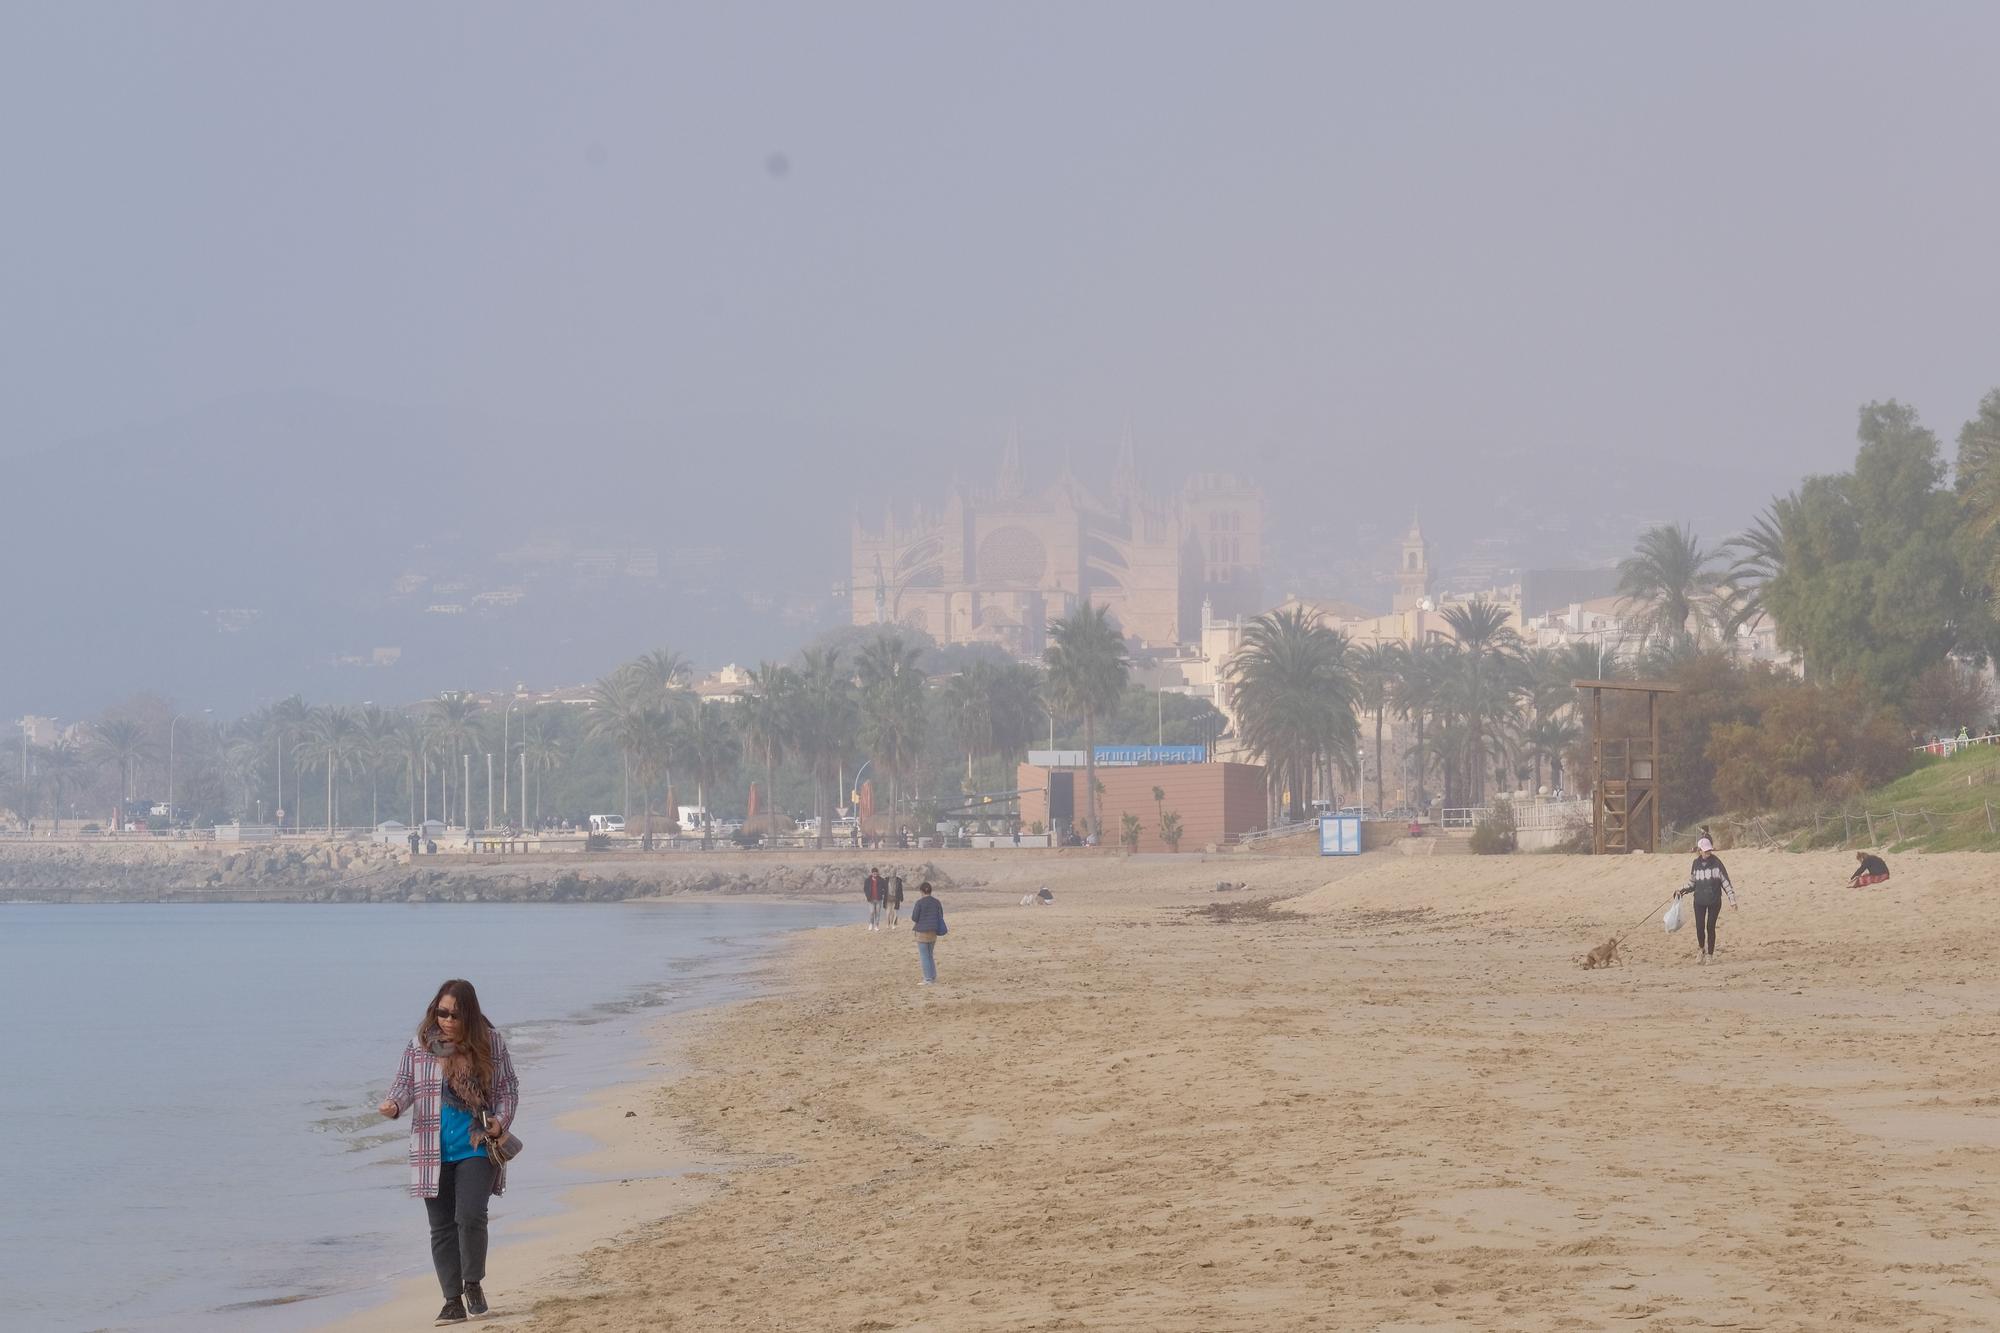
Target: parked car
{"type": "Point", "coordinates": [607, 823]}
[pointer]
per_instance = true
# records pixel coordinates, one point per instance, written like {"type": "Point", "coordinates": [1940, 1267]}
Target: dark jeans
{"type": "Point", "coordinates": [458, 1223]}
{"type": "Point", "coordinates": [1706, 915]}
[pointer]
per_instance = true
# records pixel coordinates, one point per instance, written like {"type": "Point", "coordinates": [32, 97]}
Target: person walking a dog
{"type": "Point", "coordinates": [1708, 881]}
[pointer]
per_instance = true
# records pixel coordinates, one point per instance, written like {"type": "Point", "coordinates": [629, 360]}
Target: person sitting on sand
{"type": "Point", "coordinates": [1871, 869]}
{"type": "Point", "coordinates": [927, 923]}
{"type": "Point", "coordinates": [457, 1074]}
{"type": "Point", "coordinates": [1707, 880]}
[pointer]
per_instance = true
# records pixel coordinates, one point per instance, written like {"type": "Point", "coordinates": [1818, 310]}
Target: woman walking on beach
{"type": "Point", "coordinates": [927, 923]}
{"type": "Point", "coordinates": [1707, 880]}
{"type": "Point", "coordinates": [457, 1074]}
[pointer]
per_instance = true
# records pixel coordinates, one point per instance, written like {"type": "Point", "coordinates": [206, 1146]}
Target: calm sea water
{"type": "Point", "coordinates": [186, 1092]}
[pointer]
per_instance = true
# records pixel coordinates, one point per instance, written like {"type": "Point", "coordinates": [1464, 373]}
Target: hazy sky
{"type": "Point", "coordinates": [1272, 230]}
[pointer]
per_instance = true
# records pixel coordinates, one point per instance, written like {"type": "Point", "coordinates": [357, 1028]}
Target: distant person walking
{"type": "Point", "coordinates": [895, 896]}
{"type": "Point", "coordinates": [1870, 869]}
{"type": "Point", "coordinates": [873, 890]}
{"type": "Point", "coordinates": [927, 923]}
{"type": "Point", "coordinates": [457, 1074]}
{"type": "Point", "coordinates": [1707, 880]}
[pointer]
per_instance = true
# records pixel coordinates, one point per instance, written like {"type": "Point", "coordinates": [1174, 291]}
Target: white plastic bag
{"type": "Point", "coordinates": [1672, 920]}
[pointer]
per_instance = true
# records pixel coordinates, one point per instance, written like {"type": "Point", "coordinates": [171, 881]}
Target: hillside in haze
{"type": "Point", "coordinates": [309, 543]}
{"type": "Point", "coordinates": [349, 550]}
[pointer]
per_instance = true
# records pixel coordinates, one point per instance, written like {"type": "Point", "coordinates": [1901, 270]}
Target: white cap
{"type": "Point", "coordinates": [1704, 845]}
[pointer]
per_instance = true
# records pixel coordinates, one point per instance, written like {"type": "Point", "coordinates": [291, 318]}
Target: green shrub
{"type": "Point", "coordinates": [1494, 836]}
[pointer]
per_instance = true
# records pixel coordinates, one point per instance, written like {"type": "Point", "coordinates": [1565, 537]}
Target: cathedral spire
{"type": "Point", "coordinates": [1125, 476]}
{"type": "Point", "coordinates": [1010, 485]}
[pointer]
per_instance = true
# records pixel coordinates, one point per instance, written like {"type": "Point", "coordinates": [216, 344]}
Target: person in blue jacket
{"type": "Point", "coordinates": [927, 923]}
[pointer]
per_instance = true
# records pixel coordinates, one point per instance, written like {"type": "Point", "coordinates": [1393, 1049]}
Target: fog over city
{"type": "Point", "coordinates": [366, 351]}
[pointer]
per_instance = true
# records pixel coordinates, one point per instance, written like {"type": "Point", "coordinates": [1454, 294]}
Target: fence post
{"type": "Point", "coordinates": [1989, 816]}
{"type": "Point", "coordinates": [1846, 827]}
{"type": "Point", "coordinates": [1898, 815]}
{"type": "Point", "coordinates": [1870, 820]}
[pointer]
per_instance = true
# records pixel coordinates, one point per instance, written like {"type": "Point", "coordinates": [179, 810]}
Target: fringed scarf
{"type": "Point", "coordinates": [461, 1088]}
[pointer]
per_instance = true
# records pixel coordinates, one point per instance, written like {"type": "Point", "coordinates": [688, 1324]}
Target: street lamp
{"type": "Point", "coordinates": [489, 787]}
{"type": "Point", "coordinates": [506, 753]}
{"type": "Point", "coordinates": [170, 762]}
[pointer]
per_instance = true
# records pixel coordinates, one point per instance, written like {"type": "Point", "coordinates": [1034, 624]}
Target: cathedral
{"type": "Point", "coordinates": [997, 565]}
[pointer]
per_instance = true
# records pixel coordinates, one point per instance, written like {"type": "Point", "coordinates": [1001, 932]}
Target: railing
{"type": "Point", "coordinates": [1527, 815]}
{"type": "Point", "coordinates": [1255, 836]}
{"type": "Point", "coordinates": [1945, 745]}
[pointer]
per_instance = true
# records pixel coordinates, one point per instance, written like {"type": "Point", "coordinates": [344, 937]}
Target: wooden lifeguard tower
{"type": "Point", "coordinates": [1625, 772]}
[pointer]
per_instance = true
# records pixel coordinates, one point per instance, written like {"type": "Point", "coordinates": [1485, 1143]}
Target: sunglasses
{"type": "Point", "coordinates": [451, 1014]}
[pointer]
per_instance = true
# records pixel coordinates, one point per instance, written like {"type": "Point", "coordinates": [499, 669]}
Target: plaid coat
{"type": "Point", "coordinates": [419, 1082]}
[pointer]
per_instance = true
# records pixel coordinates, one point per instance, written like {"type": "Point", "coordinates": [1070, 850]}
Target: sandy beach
{"type": "Point", "coordinates": [1372, 1094]}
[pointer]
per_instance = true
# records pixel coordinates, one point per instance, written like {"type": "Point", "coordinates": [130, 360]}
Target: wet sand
{"type": "Point", "coordinates": [1371, 1094]}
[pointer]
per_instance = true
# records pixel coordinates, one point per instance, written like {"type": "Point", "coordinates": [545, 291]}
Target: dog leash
{"type": "Point", "coordinates": [1648, 917]}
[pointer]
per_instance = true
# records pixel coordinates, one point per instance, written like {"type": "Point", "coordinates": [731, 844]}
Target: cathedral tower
{"type": "Point", "coordinates": [1413, 573]}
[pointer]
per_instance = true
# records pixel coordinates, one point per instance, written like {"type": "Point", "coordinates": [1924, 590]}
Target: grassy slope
{"type": "Point", "coordinates": [1954, 791]}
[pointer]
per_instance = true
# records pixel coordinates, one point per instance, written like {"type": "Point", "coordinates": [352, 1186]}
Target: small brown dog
{"type": "Point", "coordinates": [1604, 955]}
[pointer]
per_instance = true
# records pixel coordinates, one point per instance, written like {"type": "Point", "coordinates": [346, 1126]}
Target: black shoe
{"type": "Point", "coordinates": [475, 1300]}
{"type": "Point", "coordinates": [453, 1312]}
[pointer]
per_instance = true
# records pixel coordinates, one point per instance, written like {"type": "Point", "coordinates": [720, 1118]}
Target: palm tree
{"type": "Point", "coordinates": [123, 742]}
{"type": "Point", "coordinates": [662, 671]}
{"type": "Point", "coordinates": [1088, 668]}
{"type": "Point", "coordinates": [60, 765]}
{"type": "Point", "coordinates": [1486, 641]}
{"type": "Point", "coordinates": [1665, 578]}
{"type": "Point", "coordinates": [662, 674]}
{"type": "Point", "coordinates": [617, 713]}
{"type": "Point", "coordinates": [409, 742]}
{"type": "Point", "coordinates": [967, 700]}
{"type": "Point", "coordinates": [707, 744]}
{"type": "Point", "coordinates": [1376, 667]}
{"type": "Point", "coordinates": [243, 757]}
{"type": "Point", "coordinates": [1414, 695]}
{"type": "Point", "coordinates": [1293, 691]}
{"type": "Point", "coordinates": [1550, 738]}
{"type": "Point", "coordinates": [1018, 713]}
{"type": "Point", "coordinates": [1760, 553]}
{"type": "Point", "coordinates": [768, 714]}
{"type": "Point", "coordinates": [454, 732]}
{"type": "Point", "coordinates": [892, 709]}
{"type": "Point", "coordinates": [650, 736]}
{"type": "Point", "coordinates": [381, 747]}
{"type": "Point", "coordinates": [542, 742]}
{"type": "Point", "coordinates": [825, 724]}
{"type": "Point", "coordinates": [334, 741]}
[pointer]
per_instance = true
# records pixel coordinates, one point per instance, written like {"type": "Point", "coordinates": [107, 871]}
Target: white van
{"type": "Point", "coordinates": [607, 823]}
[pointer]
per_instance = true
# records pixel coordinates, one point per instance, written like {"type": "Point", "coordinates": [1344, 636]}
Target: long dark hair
{"type": "Point", "coordinates": [476, 1041]}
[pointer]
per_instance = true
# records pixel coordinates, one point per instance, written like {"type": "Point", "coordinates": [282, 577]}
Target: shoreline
{"type": "Point", "coordinates": [1379, 1094]}
{"type": "Point", "coordinates": [640, 1170]}
{"type": "Point", "coordinates": [641, 1162]}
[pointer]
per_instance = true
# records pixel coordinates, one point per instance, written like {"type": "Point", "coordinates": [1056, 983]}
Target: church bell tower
{"type": "Point", "coordinates": [1413, 574]}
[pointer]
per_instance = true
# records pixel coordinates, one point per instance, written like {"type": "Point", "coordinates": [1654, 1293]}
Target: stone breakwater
{"type": "Point", "coordinates": [349, 872]}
